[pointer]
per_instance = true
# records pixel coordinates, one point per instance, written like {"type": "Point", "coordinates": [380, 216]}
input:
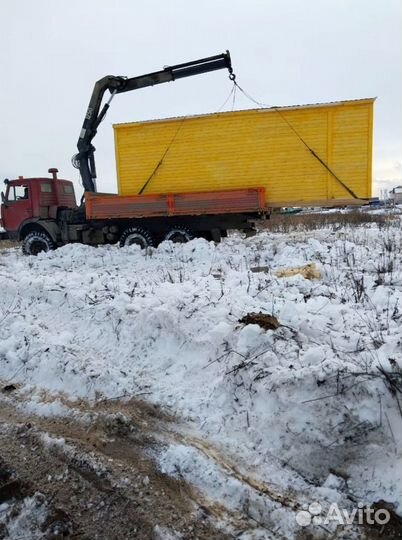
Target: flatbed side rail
{"type": "Point", "coordinates": [103, 206]}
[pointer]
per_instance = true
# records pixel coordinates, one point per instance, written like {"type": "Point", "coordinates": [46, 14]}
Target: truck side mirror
{"type": "Point", "coordinates": [3, 198]}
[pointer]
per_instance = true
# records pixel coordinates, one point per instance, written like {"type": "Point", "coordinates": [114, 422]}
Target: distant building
{"type": "Point", "coordinates": [396, 194]}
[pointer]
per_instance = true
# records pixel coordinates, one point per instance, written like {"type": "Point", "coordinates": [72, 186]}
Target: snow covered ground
{"type": "Point", "coordinates": [270, 420]}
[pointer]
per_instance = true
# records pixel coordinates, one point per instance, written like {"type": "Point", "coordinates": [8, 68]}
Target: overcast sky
{"type": "Point", "coordinates": [284, 52]}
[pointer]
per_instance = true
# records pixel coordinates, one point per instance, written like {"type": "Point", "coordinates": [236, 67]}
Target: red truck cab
{"type": "Point", "coordinates": [27, 201]}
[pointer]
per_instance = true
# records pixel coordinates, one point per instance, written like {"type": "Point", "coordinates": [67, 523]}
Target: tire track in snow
{"type": "Point", "coordinates": [137, 425]}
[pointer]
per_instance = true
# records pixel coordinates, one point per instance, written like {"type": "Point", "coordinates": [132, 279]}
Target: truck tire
{"type": "Point", "coordinates": [179, 234]}
{"type": "Point", "coordinates": [35, 242]}
{"type": "Point", "coordinates": [136, 235]}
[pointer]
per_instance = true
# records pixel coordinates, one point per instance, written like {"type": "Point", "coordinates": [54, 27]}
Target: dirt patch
{"type": "Point", "coordinates": [264, 320]}
{"type": "Point", "coordinates": [97, 480]}
{"type": "Point", "coordinates": [391, 530]}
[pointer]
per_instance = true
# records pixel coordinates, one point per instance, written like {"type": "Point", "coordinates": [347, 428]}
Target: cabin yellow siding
{"type": "Point", "coordinates": [252, 148]}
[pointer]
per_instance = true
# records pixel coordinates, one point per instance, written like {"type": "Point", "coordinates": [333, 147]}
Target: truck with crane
{"type": "Point", "coordinates": [203, 175]}
{"type": "Point", "coordinates": [43, 214]}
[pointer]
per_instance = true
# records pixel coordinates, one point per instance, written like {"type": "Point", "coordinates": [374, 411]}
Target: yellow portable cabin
{"type": "Point", "coordinates": [307, 154]}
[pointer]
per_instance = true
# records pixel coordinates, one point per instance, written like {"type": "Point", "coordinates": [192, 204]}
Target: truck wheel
{"type": "Point", "coordinates": [136, 235]}
{"type": "Point", "coordinates": [179, 234]}
{"type": "Point", "coordinates": [35, 242]}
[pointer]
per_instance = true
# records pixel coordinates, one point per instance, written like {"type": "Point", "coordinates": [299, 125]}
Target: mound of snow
{"type": "Point", "coordinates": [306, 404]}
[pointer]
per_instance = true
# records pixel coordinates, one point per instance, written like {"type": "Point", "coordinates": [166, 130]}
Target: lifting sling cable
{"type": "Point", "coordinates": [232, 77]}
{"type": "Point", "coordinates": [161, 159]}
{"type": "Point", "coordinates": [227, 99]}
{"type": "Point", "coordinates": [350, 191]}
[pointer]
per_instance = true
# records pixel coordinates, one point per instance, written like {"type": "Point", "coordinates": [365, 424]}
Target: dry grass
{"type": "Point", "coordinates": [5, 244]}
{"type": "Point", "coordinates": [294, 222]}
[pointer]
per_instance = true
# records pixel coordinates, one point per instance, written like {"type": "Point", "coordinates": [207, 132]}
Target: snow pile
{"type": "Point", "coordinates": [310, 408]}
{"type": "Point", "coordinates": [161, 533]}
{"type": "Point", "coordinates": [24, 519]}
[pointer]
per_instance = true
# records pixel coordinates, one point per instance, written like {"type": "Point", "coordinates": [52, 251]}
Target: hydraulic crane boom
{"type": "Point", "coordinates": [84, 160]}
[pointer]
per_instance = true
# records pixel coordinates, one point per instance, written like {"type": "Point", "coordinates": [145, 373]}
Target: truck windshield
{"type": "Point", "coordinates": [17, 193]}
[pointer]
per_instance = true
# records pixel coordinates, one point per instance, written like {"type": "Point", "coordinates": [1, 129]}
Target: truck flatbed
{"type": "Point", "coordinates": [236, 201]}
